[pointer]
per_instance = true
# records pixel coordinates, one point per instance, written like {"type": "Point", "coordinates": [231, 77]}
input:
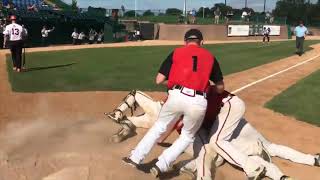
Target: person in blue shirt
{"type": "Point", "coordinates": [300, 32]}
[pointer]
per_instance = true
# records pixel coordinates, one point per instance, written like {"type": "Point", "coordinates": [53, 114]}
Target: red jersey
{"type": "Point", "coordinates": [191, 67]}
{"type": "Point", "coordinates": [214, 106]}
{"type": "Point", "coordinates": [213, 109]}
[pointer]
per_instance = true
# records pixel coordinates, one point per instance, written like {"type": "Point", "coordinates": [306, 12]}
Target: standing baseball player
{"type": "Point", "coordinates": [45, 35]}
{"type": "Point", "coordinates": [188, 70]}
{"type": "Point", "coordinates": [266, 34]}
{"type": "Point", "coordinates": [13, 38]}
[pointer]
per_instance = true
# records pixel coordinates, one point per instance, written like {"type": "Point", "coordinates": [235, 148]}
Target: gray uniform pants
{"type": "Point", "coordinates": [299, 44]}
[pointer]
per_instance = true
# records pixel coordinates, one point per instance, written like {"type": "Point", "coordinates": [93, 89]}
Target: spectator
{"type": "Point", "coordinates": [31, 7]}
{"type": "Point", "coordinates": [267, 17]}
{"type": "Point", "coordinates": [193, 16]}
{"type": "Point", "coordinates": [271, 19]}
{"type": "Point", "coordinates": [92, 36]}
{"type": "Point", "coordinates": [229, 16]}
{"type": "Point", "coordinates": [45, 35]}
{"type": "Point", "coordinates": [300, 32]}
{"type": "Point", "coordinates": [75, 36]}
{"type": "Point", "coordinates": [217, 14]}
{"type": "Point", "coordinates": [81, 37]}
{"type": "Point", "coordinates": [100, 37]}
{"type": "Point", "coordinates": [244, 16]}
{"type": "Point", "coordinates": [137, 35]}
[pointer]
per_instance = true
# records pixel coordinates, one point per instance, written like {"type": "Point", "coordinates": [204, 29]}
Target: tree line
{"type": "Point", "coordinates": [292, 10]}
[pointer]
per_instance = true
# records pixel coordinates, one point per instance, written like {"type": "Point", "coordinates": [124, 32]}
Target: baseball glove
{"type": "Point", "coordinates": [126, 131]}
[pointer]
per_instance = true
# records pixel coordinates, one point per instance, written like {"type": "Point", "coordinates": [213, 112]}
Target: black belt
{"type": "Point", "coordinates": [197, 92]}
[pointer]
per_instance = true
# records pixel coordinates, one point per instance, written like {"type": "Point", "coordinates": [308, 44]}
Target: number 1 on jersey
{"type": "Point", "coordinates": [195, 63]}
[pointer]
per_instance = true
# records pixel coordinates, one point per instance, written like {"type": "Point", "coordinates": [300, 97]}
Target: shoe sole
{"type": "Point", "coordinates": [189, 173]}
{"type": "Point", "coordinates": [154, 172]}
{"type": "Point", "coordinates": [129, 164]}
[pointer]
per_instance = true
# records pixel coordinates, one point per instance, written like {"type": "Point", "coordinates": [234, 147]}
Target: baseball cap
{"type": "Point", "coordinates": [13, 17]}
{"type": "Point", "coordinates": [193, 34]}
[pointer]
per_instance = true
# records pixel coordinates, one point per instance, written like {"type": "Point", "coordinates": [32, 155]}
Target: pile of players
{"type": "Point", "coordinates": [209, 119]}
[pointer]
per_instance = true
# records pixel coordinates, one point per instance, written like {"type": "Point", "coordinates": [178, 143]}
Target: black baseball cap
{"type": "Point", "coordinates": [193, 34]}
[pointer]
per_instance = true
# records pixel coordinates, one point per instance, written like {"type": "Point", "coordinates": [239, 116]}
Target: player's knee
{"type": "Point", "coordinates": [187, 137]}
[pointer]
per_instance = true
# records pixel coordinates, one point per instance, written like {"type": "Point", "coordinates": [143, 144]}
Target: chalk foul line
{"type": "Point", "coordinates": [273, 75]}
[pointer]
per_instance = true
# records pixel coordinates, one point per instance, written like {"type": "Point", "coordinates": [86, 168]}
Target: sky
{"type": "Point", "coordinates": [164, 4]}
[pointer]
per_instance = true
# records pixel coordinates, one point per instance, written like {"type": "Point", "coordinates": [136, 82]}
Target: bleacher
{"type": "Point", "coordinates": [24, 3]}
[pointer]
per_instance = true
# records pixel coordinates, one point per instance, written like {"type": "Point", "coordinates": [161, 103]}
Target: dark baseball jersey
{"type": "Point", "coordinates": [214, 106]}
{"type": "Point", "coordinates": [191, 66]}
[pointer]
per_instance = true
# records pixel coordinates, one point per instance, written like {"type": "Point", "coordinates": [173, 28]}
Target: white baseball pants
{"type": "Point", "coordinates": [248, 132]}
{"type": "Point", "coordinates": [193, 109]}
{"type": "Point", "coordinates": [228, 119]}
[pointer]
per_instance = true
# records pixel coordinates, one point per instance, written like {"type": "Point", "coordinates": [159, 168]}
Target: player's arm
{"type": "Point", "coordinates": [5, 37]}
{"type": "Point", "coordinates": [217, 76]}
{"type": "Point", "coordinates": [164, 70]}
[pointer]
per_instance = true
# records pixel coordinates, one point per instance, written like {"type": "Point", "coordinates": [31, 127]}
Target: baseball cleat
{"type": "Point", "coordinates": [188, 172]}
{"type": "Point", "coordinates": [286, 178]}
{"type": "Point", "coordinates": [129, 162]}
{"type": "Point", "coordinates": [155, 171]}
{"type": "Point", "coordinates": [264, 153]}
{"type": "Point", "coordinates": [260, 174]}
{"type": "Point", "coordinates": [317, 160]}
{"type": "Point", "coordinates": [113, 115]}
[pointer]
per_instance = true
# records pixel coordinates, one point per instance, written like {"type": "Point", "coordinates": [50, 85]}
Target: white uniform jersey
{"type": "Point", "coordinates": [14, 31]}
{"type": "Point", "coordinates": [45, 32]}
{"type": "Point", "coordinates": [75, 35]}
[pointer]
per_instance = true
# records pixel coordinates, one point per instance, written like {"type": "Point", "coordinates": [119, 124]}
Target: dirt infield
{"type": "Point", "coordinates": [63, 136]}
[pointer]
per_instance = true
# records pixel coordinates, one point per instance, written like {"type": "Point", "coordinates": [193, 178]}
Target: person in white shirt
{"type": "Point", "coordinates": [13, 38]}
{"type": "Point", "coordinates": [45, 34]}
{"type": "Point", "coordinates": [75, 36]}
{"type": "Point", "coordinates": [244, 16]}
{"type": "Point", "coordinates": [100, 37]}
{"type": "Point", "coordinates": [81, 37]}
{"type": "Point", "coordinates": [92, 36]}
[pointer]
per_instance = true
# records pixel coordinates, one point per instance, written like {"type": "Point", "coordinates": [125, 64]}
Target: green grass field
{"type": "Point", "coordinates": [300, 100]}
{"type": "Point", "coordinates": [128, 67]}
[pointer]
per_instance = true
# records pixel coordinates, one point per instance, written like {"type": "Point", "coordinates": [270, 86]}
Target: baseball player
{"type": "Point", "coordinates": [249, 141]}
{"type": "Point", "coordinates": [45, 35]}
{"type": "Point", "coordinates": [188, 70]}
{"type": "Point", "coordinates": [246, 138]}
{"type": "Point", "coordinates": [13, 38]}
{"type": "Point", "coordinates": [266, 34]}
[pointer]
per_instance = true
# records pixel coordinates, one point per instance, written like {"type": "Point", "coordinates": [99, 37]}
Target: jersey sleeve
{"type": "Point", "coordinates": [216, 73]}
{"type": "Point", "coordinates": [6, 31]}
{"type": "Point", "coordinates": [166, 66]}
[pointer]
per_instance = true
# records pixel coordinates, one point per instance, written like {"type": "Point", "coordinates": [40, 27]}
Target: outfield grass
{"type": "Point", "coordinates": [128, 68]}
{"type": "Point", "coordinates": [300, 100]}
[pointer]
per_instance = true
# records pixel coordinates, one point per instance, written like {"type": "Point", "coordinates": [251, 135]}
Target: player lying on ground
{"type": "Point", "coordinates": [245, 138]}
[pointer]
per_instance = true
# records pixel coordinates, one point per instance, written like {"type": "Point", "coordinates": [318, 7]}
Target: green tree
{"type": "Point", "coordinates": [148, 13]}
{"type": "Point", "coordinates": [207, 12]}
{"type": "Point", "coordinates": [74, 4]}
{"type": "Point", "coordinates": [129, 13]}
{"type": "Point", "coordinates": [173, 11]}
{"type": "Point", "coordinates": [223, 8]}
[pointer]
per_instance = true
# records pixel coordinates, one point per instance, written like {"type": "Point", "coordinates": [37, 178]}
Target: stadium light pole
{"type": "Point", "coordinates": [185, 8]}
{"type": "Point", "coordinates": [246, 3]}
{"type": "Point", "coordinates": [135, 8]}
{"type": "Point", "coordinates": [264, 6]}
{"type": "Point", "coordinates": [225, 2]}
